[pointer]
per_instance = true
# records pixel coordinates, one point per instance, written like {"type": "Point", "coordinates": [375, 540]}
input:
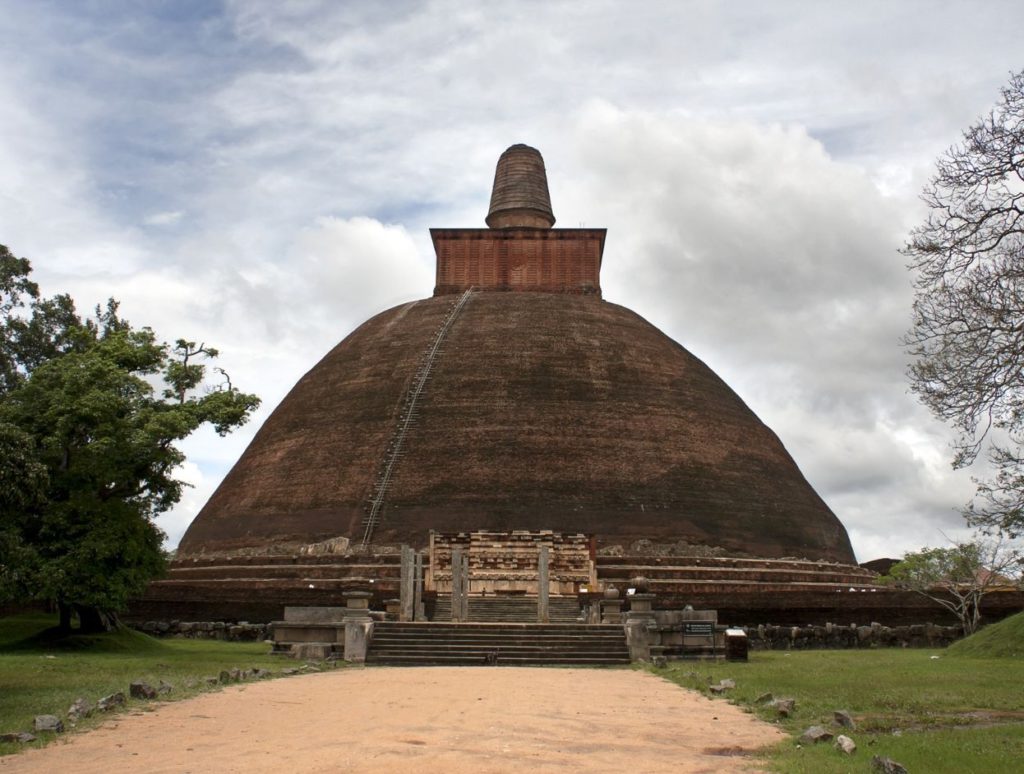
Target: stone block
{"type": "Point", "coordinates": [314, 615]}
{"type": "Point", "coordinates": [311, 651]}
{"type": "Point", "coordinates": [357, 640]}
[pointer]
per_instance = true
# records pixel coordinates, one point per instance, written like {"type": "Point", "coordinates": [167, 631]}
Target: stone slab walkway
{"type": "Point", "coordinates": [440, 719]}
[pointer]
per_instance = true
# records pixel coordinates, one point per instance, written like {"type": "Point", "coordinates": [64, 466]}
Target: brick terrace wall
{"type": "Point", "coordinates": [786, 592]}
{"type": "Point", "coordinates": [257, 588]}
{"type": "Point", "coordinates": [519, 259]}
{"type": "Point", "coordinates": [507, 561]}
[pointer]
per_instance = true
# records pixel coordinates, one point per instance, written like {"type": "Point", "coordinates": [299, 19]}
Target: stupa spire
{"type": "Point", "coordinates": [520, 196]}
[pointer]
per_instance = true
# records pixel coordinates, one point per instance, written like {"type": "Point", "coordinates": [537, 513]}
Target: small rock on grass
{"type": "Point", "coordinates": [727, 683]}
{"type": "Point", "coordinates": [764, 698]}
{"type": "Point", "coordinates": [141, 690]}
{"type": "Point", "coordinates": [887, 766]}
{"type": "Point", "coordinates": [815, 734]}
{"type": "Point", "coordinates": [164, 688]}
{"type": "Point", "coordinates": [846, 744]}
{"type": "Point", "coordinates": [211, 680]}
{"type": "Point", "coordinates": [107, 703]}
{"type": "Point", "coordinates": [49, 723]}
{"type": "Point", "coordinates": [81, 708]}
{"type": "Point", "coordinates": [21, 737]}
{"type": "Point", "coordinates": [225, 676]}
{"type": "Point", "coordinates": [842, 718]}
{"type": "Point", "coordinates": [785, 707]}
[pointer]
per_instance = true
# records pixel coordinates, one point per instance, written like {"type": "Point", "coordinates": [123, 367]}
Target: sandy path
{"type": "Point", "coordinates": [423, 720]}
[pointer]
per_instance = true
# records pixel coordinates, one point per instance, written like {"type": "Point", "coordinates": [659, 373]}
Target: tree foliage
{"type": "Point", "coordinates": [959, 576]}
{"type": "Point", "coordinates": [967, 339]}
{"type": "Point", "coordinates": [87, 445]}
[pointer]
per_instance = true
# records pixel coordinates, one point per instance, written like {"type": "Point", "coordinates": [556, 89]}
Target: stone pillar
{"type": "Point", "coordinates": [458, 590]}
{"type": "Point", "coordinates": [418, 613]}
{"type": "Point", "coordinates": [543, 615]}
{"type": "Point", "coordinates": [465, 586]}
{"type": "Point", "coordinates": [642, 628]}
{"type": "Point", "coordinates": [358, 626]}
{"type": "Point", "coordinates": [611, 607]}
{"type": "Point", "coordinates": [406, 584]}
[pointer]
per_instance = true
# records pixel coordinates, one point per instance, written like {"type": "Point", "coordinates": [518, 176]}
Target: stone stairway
{"type": "Point", "coordinates": [510, 609]}
{"type": "Point", "coordinates": [501, 644]}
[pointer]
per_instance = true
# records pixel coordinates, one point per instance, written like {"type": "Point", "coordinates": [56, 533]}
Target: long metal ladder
{"type": "Point", "coordinates": [406, 418]}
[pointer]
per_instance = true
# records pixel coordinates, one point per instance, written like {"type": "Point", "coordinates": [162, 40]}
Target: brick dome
{"type": "Point", "coordinates": [516, 399]}
{"type": "Point", "coordinates": [542, 411]}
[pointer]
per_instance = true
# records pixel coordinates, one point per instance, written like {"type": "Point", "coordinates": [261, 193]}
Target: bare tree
{"type": "Point", "coordinates": [967, 339]}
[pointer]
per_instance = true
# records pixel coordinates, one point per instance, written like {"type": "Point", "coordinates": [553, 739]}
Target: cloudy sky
{"type": "Point", "coordinates": [261, 176]}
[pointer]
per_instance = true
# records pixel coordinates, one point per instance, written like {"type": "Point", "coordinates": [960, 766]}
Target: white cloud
{"type": "Point", "coordinates": [262, 178]}
{"type": "Point", "coordinates": [163, 218]}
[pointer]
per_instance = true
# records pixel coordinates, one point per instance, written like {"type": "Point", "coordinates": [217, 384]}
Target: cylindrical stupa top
{"type": "Point", "coordinates": [520, 195]}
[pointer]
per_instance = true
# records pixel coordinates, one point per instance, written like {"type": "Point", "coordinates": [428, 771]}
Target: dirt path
{"type": "Point", "coordinates": [441, 719]}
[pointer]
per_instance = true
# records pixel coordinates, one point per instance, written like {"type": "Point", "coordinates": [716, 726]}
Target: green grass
{"type": "Point", "coordinates": [930, 714]}
{"type": "Point", "coordinates": [41, 673]}
{"type": "Point", "coordinates": [999, 640]}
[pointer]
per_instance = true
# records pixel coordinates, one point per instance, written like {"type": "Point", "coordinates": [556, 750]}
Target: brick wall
{"type": "Point", "coordinates": [519, 259]}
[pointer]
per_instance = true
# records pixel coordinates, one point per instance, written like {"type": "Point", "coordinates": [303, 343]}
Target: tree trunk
{"type": "Point", "coordinates": [64, 611]}
{"type": "Point", "coordinates": [93, 620]}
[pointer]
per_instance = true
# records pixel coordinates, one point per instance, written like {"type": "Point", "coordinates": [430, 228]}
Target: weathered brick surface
{"type": "Point", "coordinates": [544, 411]}
{"type": "Point", "coordinates": [519, 259]}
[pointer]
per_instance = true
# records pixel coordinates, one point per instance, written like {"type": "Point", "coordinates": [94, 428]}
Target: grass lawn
{"type": "Point", "coordinates": [945, 714]}
{"type": "Point", "coordinates": [40, 675]}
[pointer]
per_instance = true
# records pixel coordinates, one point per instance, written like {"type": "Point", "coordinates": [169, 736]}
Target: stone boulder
{"type": "Point", "coordinates": [842, 718]}
{"type": "Point", "coordinates": [81, 708]}
{"type": "Point", "coordinates": [108, 703]}
{"type": "Point", "coordinates": [846, 744]}
{"type": "Point", "coordinates": [18, 737]}
{"type": "Point", "coordinates": [785, 707]}
{"type": "Point", "coordinates": [141, 690]}
{"type": "Point", "coordinates": [882, 765]}
{"type": "Point", "coordinates": [48, 723]}
{"type": "Point", "coordinates": [814, 735]}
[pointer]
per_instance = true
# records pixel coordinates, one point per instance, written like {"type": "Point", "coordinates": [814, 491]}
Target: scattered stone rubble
{"type": "Point", "coordinates": [242, 631]}
{"type": "Point", "coordinates": [21, 737]}
{"type": "Point", "coordinates": [769, 637]}
{"type": "Point", "coordinates": [139, 689]}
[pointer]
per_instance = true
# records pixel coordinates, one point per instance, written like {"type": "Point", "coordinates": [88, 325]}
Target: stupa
{"type": "Point", "coordinates": [515, 398]}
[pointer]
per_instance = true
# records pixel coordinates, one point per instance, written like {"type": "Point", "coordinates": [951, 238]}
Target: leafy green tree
{"type": "Point", "coordinates": [967, 339]}
{"type": "Point", "coordinates": [959, 577]}
{"type": "Point", "coordinates": [91, 456]}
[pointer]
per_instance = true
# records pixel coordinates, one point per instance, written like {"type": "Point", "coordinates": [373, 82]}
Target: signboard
{"type": "Point", "coordinates": [699, 628]}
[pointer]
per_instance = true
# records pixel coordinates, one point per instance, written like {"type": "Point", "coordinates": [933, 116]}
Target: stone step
{"type": "Point", "coordinates": [481, 660]}
{"type": "Point", "coordinates": [520, 609]}
{"type": "Point", "coordinates": [395, 640]}
{"type": "Point", "coordinates": [509, 643]}
{"type": "Point", "coordinates": [532, 629]}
